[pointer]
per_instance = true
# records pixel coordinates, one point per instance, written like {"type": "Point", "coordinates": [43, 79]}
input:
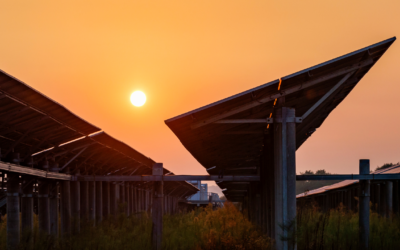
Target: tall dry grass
{"type": "Point", "coordinates": [338, 229]}
{"type": "Point", "coordinates": [225, 228]}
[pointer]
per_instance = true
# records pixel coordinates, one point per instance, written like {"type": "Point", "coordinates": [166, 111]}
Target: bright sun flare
{"type": "Point", "coordinates": [138, 98]}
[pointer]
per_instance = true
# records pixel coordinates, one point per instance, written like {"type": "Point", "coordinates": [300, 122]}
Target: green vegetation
{"type": "Point", "coordinates": [338, 229]}
{"type": "Point", "coordinates": [225, 228]}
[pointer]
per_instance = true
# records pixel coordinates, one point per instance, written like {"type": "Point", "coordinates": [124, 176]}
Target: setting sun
{"type": "Point", "coordinates": [138, 98]}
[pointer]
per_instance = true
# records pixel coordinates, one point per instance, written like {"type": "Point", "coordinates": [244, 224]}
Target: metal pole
{"type": "Point", "coordinates": [92, 201]}
{"type": "Point", "coordinates": [13, 230]}
{"type": "Point", "coordinates": [54, 203]}
{"type": "Point", "coordinates": [65, 208]}
{"type": "Point", "coordinates": [76, 206]}
{"type": "Point", "coordinates": [285, 177]}
{"type": "Point", "coordinates": [364, 193]}
{"type": "Point", "coordinates": [44, 206]}
{"type": "Point", "coordinates": [99, 201]}
{"type": "Point", "coordinates": [84, 200]}
{"type": "Point", "coordinates": [127, 199]}
{"type": "Point", "coordinates": [157, 209]}
{"type": "Point", "coordinates": [389, 199]}
{"type": "Point", "coordinates": [106, 199]}
{"type": "Point", "coordinates": [27, 206]}
{"type": "Point", "coordinates": [113, 199]}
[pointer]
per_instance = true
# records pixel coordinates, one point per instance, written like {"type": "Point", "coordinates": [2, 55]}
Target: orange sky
{"type": "Point", "coordinates": [185, 54]}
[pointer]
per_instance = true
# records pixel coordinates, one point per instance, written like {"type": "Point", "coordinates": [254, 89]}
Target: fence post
{"type": "Point", "coordinates": [157, 209]}
{"type": "Point", "coordinates": [364, 206]}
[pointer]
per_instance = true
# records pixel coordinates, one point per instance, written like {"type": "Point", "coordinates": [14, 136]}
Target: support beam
{"type": "Point", "coordinates": [99, 201]}
{"type": "Point", "coordinates": [364, 198]}
{"type": "Point", "coordinates": [74, 157]}
{"type": "Point", "coordinates": [114, 197]}
{"type": "Point", "coordinates": [84, 197]}
{"type": "Point", "coordinates": [157, 209]}
{"type": "Point", "coordinates": [106, 199]}
{"type": "Point", "coordinates": [27, 207]}
{"type": "Point", "coordinates": [148, 178]}
{"type": "Point", "coordinates": [281, 93]}
{"type": "Point", "coordinates": [13, 226]}
{"type": "Point", "coordinates": [127, 199]}
{"type": "Point", "coordinates": [389, 199]}
{"type": "Point", "coordinates": [65, 208]}
{"type": "Point", "coordinates": [327, 95]}
{"type": "Point", "coordinates": [76, 206]}
{"type": "Point", "coordinates": [44, 206]}
{"type": "Point", "coordinates": [92, 202]}
{"type": "Point", "coordinates": [285, 177]}
{"type": "Point", "coordinates": [54, 204]}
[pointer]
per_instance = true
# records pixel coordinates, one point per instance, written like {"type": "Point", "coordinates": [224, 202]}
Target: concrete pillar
{"type": "Point", "coordinates": [285, 176]}
{"type": "Point", "coordinates": [92, 201]}
{"type": "Point", "coordinates": [389, 199]}
{"type": "Point", "coordinates": [44, 206]}
{"type": "Point", "coordinates": [13, 226]}
{"type": "Point", "coordinates": [99, 201]}
{"type": "Point", "coordinates": [84, 197]}
{"type": "Point", "coordinates": [364, 194]}
{"type": "Point", "coordinates": [53, 206]}
{"type": "Point", "coordinates": [75, 206]}
{"type": "Point", "coordinates": [106, 199]}
{"type": "Point", "coordinates": [65, 208]}
{"type": "Point", "coordinates": [27, 206]}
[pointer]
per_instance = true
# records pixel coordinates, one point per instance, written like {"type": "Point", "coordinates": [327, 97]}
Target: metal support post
{"type": "Point", "coordinates": [106, 199]}
{"type": "Point", "coordinates": [92, 201]}
{"type": "Point", "coordinates": [389, 199]}
{"type": "Point", "coordinates": [65, 208]}
{"type": "Point", "coordinates": [76, 206]}
{"type": "Point", "coordinates": [364, 197]}
{"type": "Point", "coordinates": [157, 209]}
{"type": "Point", "coordinates": [84, 201]}
{"type": "Point", "coordinates": [53, 206]}
{"type": "Point", "coordinates": [285, 177]}
{"type": "Point", "coordinates": [27, 206]}
{"type": "Point", "coordinates": [99, 201]}
{"type": "Point", "coordinates": [13, 226]}
{"type": "Point", "coordinates": [44, 206]}
{"type": "Point", "coordinates": [113, 199]}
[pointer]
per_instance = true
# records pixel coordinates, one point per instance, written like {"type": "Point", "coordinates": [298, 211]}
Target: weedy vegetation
{"type": "Point", "coordinates": [225, 228]}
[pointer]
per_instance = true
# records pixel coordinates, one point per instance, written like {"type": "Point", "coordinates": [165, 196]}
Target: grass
{"type": "Point", "coordinates": [338, 229]}
{"type": "Point", "coordinates": [225, 228]}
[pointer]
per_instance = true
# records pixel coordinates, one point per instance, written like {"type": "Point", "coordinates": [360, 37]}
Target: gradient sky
{"type": "Point", "coordinates": [91, 55]}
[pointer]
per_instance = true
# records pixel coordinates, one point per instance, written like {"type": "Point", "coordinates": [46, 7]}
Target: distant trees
{"type": "Point", "coordinates": [386, 165]}
{"type": "Point", "coordinates": [318, 172]}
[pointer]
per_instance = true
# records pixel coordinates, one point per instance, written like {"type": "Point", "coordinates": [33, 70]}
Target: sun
{"type": "Point", "coordinates": [138, 98]}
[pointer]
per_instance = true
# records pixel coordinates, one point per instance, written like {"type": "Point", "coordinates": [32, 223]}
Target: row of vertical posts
{"type": "Point", "coordinates": [384, 198]}
{"type": "Point", "coordinates": [73, 201]}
